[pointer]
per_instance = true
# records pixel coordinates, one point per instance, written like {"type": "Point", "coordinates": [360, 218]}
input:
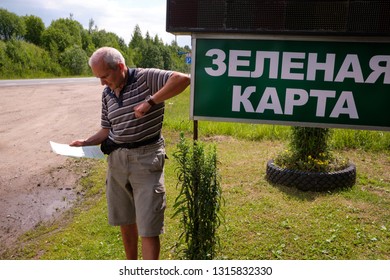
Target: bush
{"type": "Point", "coordinates": [25, 60]}
{"type": "Point", "coordinates": [199, 200]}
{"type": "Point", "coordinates": [74, 60]}
{"type": "Point", "coordinates": [309, 151]}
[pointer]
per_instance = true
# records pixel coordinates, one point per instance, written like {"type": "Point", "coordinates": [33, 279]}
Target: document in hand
{"type": "Point", "coordinates": [85, 151]}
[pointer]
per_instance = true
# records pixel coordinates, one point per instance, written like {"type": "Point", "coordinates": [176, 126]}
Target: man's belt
{"type": "Point", "coordinates": [108, 146]}
{"type": "Point", "coordinates": [134, 145]}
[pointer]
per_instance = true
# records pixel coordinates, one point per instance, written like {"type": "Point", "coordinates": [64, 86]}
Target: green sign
{"type": "Point", "coordinates": [306, 82]}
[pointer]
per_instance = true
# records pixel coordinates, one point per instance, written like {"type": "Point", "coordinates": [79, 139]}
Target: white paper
{"type": "Point", "coordinates": [85, 151]}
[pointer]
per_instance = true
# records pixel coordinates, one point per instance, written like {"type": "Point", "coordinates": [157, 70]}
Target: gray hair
{"type": "Point", "coordinates": [109, 55]}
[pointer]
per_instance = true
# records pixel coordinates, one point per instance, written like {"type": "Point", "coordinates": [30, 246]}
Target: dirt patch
{"type": "Point", "coordinates": [37, 185]}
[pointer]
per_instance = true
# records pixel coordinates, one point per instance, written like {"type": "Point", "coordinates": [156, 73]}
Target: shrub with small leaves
{"type": "Point", "coordinates": [309, 151]}
{"type": "Point", "coordinates": [199, 200]}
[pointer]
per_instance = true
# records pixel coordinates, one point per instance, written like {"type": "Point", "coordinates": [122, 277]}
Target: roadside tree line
{"type": "Point", "coordinates": [28, 49]}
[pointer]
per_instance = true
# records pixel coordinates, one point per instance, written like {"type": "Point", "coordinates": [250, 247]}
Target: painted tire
{"type": "Point", "coordinates": [311, 181]}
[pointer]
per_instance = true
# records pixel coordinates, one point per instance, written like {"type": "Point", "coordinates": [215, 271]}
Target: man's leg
{"type": "Point", "coordinates": [130, 241]}
{"type": "Point", "coordinates": [151, 248]}
{"type": "Point", "coordinates": [147, 181]}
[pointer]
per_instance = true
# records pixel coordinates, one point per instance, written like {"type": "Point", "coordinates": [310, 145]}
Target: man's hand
{"type": "Point", "coordinates": [77, 143]}
{"type": "Point", "coordinates": [141, 109]}
{"type": "Point", "coordinates": [95, 139]}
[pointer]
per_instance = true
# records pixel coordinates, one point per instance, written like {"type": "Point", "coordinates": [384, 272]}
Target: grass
{"type": "Point", "coordinates": [261, 221]}
{"type": "Point", "coordinates": [177, 118]}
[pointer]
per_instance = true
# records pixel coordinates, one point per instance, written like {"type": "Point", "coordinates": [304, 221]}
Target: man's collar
{"type": "Point", "coordinates": [130, 76]}
{"type": "Point", "coordinates": [129, 79]}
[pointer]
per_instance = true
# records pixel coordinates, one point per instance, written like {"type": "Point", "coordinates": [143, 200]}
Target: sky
{"type": "Point", "coordinates": [117, 16]}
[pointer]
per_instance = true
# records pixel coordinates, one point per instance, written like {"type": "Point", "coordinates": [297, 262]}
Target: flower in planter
{"type": "Point", "coordinates": [309, 151]}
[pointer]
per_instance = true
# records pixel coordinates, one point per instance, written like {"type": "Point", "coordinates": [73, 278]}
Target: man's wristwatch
{"type": "Point", "coordinates": [150, 100]}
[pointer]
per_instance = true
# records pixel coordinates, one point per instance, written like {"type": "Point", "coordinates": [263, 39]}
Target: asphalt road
{"type": "Point", "coordinates": [29, 82]}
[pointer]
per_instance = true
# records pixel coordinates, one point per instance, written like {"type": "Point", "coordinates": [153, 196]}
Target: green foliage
{"type": "Point", "coordinates": [3, 54]}
{"type": "Point", "coordinates": [151, 57]}
{"type": "Point", "coordinates": [310, 151]}
{"type": "Point", "coordinates": [167, 59]}
{"type": "Point", "coordinates": [137, 44]}
{"type": "Point", "coordinates": [102, 38]}
{"type": "Point", "coordinates": [361, 139]}
{"type": "Point", "coordinates": [62, 34]}
{"type": "Point", "coordinates": [261, 222]}
{"type": "Point", "coordinates": [11, 25]}
{"type": "Point", "coordinates": [177, 118]}
{"type": "Point", "coordinates": [34, 29]}
{"type": "Point", "coordinates": [137, 41]}
{"type": "Point", "coordinates": [87, 44]}
{"type": "Point", "coordinates": [309, 141]}
{"type": "Point", "coordinates": [199, 200]}
{"type": "Point", "coordinates": [323, 162]}
{"type": "Point", "coordinates": [75, 60]}
{"type": "Point", "coordinates": [63, 47]}
{"type": "Point", "coordinates": [25, 60]}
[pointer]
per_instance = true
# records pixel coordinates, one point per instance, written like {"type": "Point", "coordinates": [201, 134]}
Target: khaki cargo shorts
{"type": "Point", "coordinates": [135, 188]}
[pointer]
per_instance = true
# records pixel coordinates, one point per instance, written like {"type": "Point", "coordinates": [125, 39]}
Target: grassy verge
{"type": "Point", "coordinates": [177, 118]}
{"type": "Point", "coordinates": [261, 221]}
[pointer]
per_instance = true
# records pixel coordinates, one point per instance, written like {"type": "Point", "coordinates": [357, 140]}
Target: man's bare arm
{"type": "Point", "coordinates": [95, 139]}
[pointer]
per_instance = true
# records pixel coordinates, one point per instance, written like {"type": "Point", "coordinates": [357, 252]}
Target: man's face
{"type": "Point", "coordinates": [109, 77]}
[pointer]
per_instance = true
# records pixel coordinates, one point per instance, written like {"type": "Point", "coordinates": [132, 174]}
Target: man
{"type": "Point", "coordinates": [131, 122]}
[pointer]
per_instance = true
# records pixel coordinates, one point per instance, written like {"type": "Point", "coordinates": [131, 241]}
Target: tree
{"type": "Point", "coordinates": [148, 39]}
{"type": "Point", "coordinates": [74, 60]}
{"type": "Point", "coordinates": [5, 62]}
{"type": "Point", "coordinates": [167, 58]}
{"type": "Point", "coordinates": [91, 25]}
{"type": "Point", "coordinates": [137, 44]}
{"type": "Point", "coordinates": [62, 34]}
{"type": "Point", "coordinates": [164, 51]}
{"type": "Point", "coordinates": [34, 29]}
{"type": "Point", "coordinates": [102, 38]}
{"type": "Point", "coordinates": [28, 49]}
{"type": "Point", "coordinates": [11, 25]}
{"type": "Point", "coordinates": [137, 41]}
{"type": "Point", "coordinates": [86, 41]}
{"type": "Point", "coordinates": [151, 57]}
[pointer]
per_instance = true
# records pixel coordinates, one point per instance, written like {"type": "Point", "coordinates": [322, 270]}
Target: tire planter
{"type": "Point", "coordinates": [311, 181]}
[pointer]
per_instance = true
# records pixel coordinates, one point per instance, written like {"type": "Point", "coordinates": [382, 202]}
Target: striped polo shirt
{"type": "Point", "coordinates": [118, 113]}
